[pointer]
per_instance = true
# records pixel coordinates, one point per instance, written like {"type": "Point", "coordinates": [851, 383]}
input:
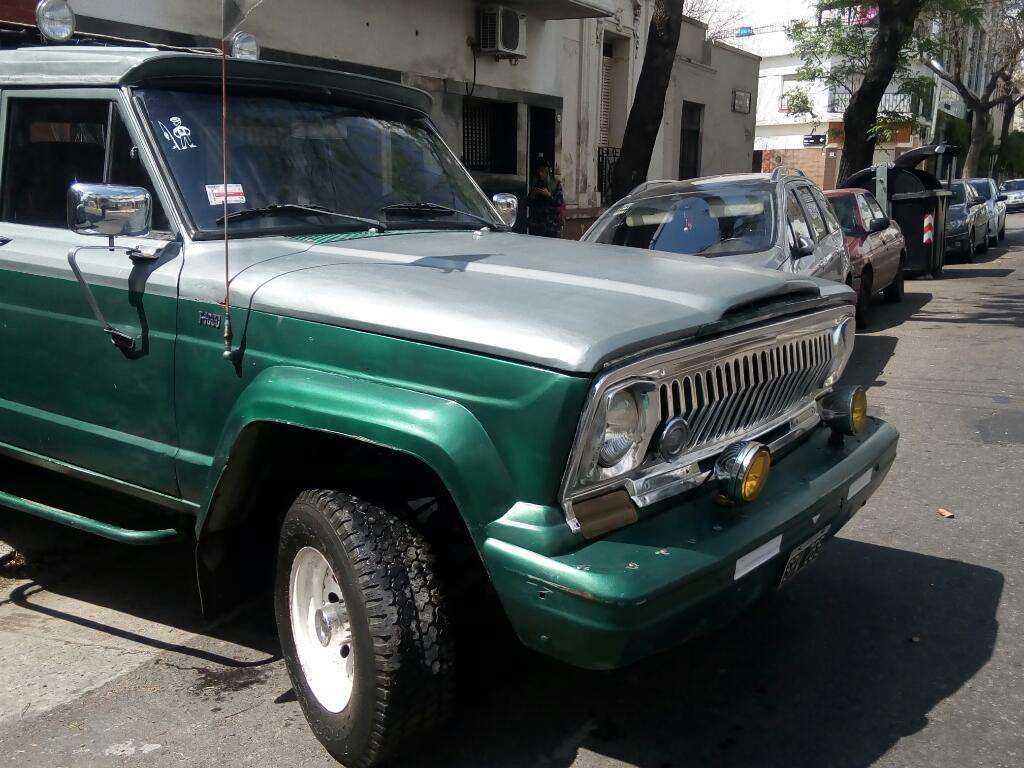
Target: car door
{"type": "Point", "coordinates": [67, 393]}
{"type": "Point", "coordinates": [886, 254]}
{"type": "Point", "coordinates": [797, 227]}
{"type": "Point", "coordinates": [839, 257]}
{"type": "Point", "coordinates": [826, 261]}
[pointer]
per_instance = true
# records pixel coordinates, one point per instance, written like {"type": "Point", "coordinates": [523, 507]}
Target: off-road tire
{"type": "Point", "coordinates": [864, 297]}
{"type": "Point", "coordinates": [404, 668]}
{"type": "Point", "coordinates": [894, 291]}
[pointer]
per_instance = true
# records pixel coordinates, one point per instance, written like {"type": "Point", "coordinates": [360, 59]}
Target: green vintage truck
{"type": "Point", "coordinates": [627, 447]}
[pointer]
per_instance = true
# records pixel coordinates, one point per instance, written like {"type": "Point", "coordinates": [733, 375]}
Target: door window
{"type": "Point", "coordinates": [126, 168]}
{"type": "Point", "coordinates": [798, 225]}
{"type": "Point", "coordinates": [51, 145]}
{"type": "Point", "coordinates": [815, 217]}
{"type": "Point", "coordinates": [831, 222]}
{"type": "Point", "coordinates": [876, 209]}
{"type": "Point", "coordinates": [866, 214]}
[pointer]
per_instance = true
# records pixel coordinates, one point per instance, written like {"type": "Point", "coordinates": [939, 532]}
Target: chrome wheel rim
{"type": "Point", "coordinates": [321, 630]}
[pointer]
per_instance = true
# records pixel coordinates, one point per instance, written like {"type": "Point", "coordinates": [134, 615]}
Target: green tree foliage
{"type": "Point", "coordinates": [857, 51]}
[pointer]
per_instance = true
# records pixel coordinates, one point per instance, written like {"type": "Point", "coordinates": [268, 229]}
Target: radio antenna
{"type": "Point", "coordinates": [233, 15]}
{"type": "Point", "coordinates": [228, 354]}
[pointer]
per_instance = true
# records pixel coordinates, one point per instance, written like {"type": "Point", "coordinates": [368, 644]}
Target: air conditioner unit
{"type": "Point", "coordinates": [502, 32]}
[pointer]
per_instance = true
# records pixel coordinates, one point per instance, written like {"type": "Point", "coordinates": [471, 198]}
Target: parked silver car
{"type": "Point", "coordinates": [995, 202]}
{"type": "Point", "coordinates": [967, 221]}
{"type": "Point", "coordinates": [779, 220]}
{"type": "Point", "coordinates": [1014, 191]}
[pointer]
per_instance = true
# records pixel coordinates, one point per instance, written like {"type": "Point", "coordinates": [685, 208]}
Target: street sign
{"type": "Point", "coordinates": [814, 140]}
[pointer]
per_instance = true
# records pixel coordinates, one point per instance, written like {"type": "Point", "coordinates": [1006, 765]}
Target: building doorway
{"type": "Point", "coordinates": [542, 138]}
{"type": "Point", "coordinates": [689, 140]}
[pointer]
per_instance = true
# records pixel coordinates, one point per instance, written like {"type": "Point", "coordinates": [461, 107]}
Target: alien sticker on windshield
{"type": "Point", "coordinates": [179, 134]}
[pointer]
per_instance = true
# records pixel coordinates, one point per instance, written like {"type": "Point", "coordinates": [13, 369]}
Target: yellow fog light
{"type": "Point", "coordinates": [741, 471]}
{"type": "Point", "coordinates": [846, 410]}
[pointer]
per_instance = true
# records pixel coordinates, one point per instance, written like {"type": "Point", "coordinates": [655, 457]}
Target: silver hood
{"type": "Point", "coordinates": [555, 303]}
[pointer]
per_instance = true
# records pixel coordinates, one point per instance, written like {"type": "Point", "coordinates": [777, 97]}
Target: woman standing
{"type": "Point", "coordinates": [547, 204]}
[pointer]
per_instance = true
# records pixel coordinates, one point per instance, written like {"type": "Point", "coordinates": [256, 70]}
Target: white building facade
{"type": "Point", "coordinates": [564, 103]}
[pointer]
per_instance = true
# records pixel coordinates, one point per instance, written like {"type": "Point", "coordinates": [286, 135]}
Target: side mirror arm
{"type": "Point", "coordinates": [119, 339]}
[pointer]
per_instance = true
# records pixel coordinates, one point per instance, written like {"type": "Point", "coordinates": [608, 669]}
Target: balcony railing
{"type": "Point", "coordinates": [906, 103]}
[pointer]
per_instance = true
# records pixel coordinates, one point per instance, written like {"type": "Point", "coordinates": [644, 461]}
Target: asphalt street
{"type": "Point", "coordinates": [902, 646]}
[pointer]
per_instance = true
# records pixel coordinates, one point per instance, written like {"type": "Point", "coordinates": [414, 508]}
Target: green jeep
{"type": "Point", "coordinates": [627, 447]}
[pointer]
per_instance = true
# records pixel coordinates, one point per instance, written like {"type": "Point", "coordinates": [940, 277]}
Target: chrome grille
{"type": "Point", "coordinates": [736, 394]}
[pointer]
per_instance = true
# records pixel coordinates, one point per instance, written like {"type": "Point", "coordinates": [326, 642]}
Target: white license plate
{"type": "Point", "coordinates": [859, 484]}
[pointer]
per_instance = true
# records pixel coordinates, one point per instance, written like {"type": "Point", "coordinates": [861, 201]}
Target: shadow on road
{"type": "Point", "coordinates": [833, 673]}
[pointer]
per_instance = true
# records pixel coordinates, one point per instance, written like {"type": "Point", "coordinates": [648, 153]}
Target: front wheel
{"type": "Point", "coordinates": [971, 248]}
{"type": "Point", "coordinates": [864, 296]}
{"type": "Point", "coordinates": [363, 625]}
{"type": "Point", "coordinates": [894, 292]}
{"type": "Point", "coordinates": [983, 246]}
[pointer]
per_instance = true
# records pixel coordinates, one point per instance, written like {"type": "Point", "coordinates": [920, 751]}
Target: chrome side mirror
{"type": "Point", "coordinates": [508, 207]}
{"type": "Point", "coordinates": [109, 210]}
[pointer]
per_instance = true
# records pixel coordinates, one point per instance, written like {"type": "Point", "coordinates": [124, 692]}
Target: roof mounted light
{"type": "Point", "coordinates": [244, 46]}
{"type": "Point", "coordinates": [55, 19]}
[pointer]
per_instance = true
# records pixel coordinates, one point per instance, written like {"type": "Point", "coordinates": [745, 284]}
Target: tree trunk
{"type": "Point", "coordinates": [895, 25]}
{"type": "Point", "coordinates": [1009, 108]}
{"type": "Point", "coordinates": [980, 123]}
{"type": "Point", "coordinates": [648, 107]}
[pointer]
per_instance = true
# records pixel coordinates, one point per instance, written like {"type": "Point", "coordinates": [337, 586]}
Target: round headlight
{"type": "Point", "coordinates": [244, 46]}
{"type": "Point", "coordinates": [846, 410]}
{"type": "Point", "coordinates": [621, 428]}
{"type": "Point", "coordinates": [843, 337]}
{"type": "Point", "coordinates": [55, 20]}
{"type": "Point", "coordinates": [742, 470]}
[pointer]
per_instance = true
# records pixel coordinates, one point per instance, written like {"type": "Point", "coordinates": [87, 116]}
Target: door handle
{"type": "Point", "coordinates": [4, 240]}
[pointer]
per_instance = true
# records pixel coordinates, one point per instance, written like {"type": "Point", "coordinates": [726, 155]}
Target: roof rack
{"type": "Point", "coordinates": [31, 37]}
{"type": "Point", "coordinates": [644, 186]}
{"type": "Point", "coordinates": [786, 170]}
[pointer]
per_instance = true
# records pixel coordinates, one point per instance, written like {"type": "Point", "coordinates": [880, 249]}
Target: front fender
{"type": "Point", "coordinates": [441, 433]}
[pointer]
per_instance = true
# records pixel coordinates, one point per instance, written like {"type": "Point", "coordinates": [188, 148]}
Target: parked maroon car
{"type": "Point", "coordinates": [875, 243]}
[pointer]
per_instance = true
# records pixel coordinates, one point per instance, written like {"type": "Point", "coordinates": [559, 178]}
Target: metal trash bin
{"type": "Point", "coordinates": [915, 199]}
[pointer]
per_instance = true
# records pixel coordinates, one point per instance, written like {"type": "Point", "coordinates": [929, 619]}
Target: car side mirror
{"type": "Point", "coordinates": [1001, 198]}
{"type": "Point", "coordinates": [879, 224]}
{"type": "Point", "coordinates": [508, 207]}
{"type": "Point", "coordinates": [802, 247]}
{"type": "Point", "coordinates": [109, 210]}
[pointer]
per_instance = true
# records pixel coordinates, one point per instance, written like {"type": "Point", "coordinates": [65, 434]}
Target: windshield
{"type": "Point", "coordinates": [299, 155]}
{"type": "Point", "coordinates": [983, 188]}
{"type": "Point", "coordinates": [843, 205]}
{"type": "Point", "coordinates": [720, 222]}
{"type": "Point", "coordinates": [1015, 185]}
{"type": "Point", "coordinates": [958, 196]}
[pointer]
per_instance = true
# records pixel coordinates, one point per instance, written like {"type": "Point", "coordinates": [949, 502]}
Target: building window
{"type": "Point", "coordinates": [689, 140]}
{"type": "Point", "coordinates": [489, 136]}
{"type": "Point", "coordinates": [741, 101]}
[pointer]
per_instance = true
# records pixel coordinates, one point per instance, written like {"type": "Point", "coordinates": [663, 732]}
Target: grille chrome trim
{"type": "Point", "coordinates": [738, 387]}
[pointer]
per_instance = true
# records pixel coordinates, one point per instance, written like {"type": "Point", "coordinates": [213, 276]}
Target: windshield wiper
{"type": "Point", "coordinates": [434, 209]}
{"type": "Point", "coordinates": [278, 208]}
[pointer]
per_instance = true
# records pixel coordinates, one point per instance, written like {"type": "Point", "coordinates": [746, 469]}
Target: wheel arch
{"type": "Point", "coordinates": [294, 428]}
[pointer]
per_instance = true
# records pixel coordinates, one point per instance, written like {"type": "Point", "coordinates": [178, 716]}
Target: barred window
{"type": "Point", "coordinates": [489, 135]}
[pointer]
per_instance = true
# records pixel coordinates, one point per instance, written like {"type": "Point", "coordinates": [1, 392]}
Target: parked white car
{"type": "Point", "coordinates": [1014, 191]}
{"type": "Point", "coordinates": [995, 201]}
